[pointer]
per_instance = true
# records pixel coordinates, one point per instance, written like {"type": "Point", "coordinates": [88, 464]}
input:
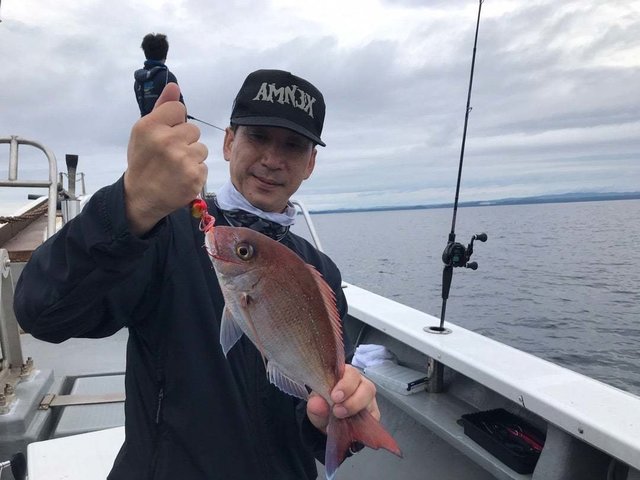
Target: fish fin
{"type": "Point", "coordinates": [361, 427]}
{"type": "Point", "coordinates": [230, 332]}
{"type": "Point", "coordinates": [285, 383]}
{"type": "Point", "coordinates": [329, 299]}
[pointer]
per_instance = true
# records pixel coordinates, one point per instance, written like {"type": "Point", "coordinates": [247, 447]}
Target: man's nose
{"type": "Point", "coordinates": [272, 156]}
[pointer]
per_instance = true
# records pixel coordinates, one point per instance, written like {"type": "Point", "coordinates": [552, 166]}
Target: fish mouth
{"type": "Point", "coordinates": [211, 245]}
{"type": "Point", "coordinates": [213, 253]}
{"type": "Point", "coordinates": [213, 250]}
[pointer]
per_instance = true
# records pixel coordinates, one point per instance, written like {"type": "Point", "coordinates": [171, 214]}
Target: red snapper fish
{"type": "Point", "coordinates": [289, 312]}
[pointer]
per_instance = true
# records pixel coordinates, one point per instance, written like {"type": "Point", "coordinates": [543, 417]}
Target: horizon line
{"type": "Point", "coordinates": [549, 198]}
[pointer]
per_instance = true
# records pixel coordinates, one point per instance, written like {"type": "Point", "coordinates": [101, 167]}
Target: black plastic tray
{"type": "Point", "coordinates": [485, 428]}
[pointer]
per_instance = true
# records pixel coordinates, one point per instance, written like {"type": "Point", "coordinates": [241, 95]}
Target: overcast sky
{"type": "Point", "coordinates": [556, 94]}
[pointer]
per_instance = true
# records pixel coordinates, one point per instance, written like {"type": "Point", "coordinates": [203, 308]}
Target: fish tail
{"type": "Point", "coordinates": [343, 432]}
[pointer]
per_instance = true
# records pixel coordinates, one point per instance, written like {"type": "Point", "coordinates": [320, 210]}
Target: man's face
{"type": "Point", "coordinates": [268, 164]}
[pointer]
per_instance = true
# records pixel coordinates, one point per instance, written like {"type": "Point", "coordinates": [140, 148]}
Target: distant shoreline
{"type": "Point", "coordinates": [560, 198]}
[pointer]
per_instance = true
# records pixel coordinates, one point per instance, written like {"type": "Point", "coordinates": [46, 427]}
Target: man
{"type": "Point", "coordinates": [134, 258]}
{"type": "Point", "coordinates": [151, 80]}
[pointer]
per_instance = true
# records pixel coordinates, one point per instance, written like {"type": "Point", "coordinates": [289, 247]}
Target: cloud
{"type": "Point", "coordinates": [554, 102]}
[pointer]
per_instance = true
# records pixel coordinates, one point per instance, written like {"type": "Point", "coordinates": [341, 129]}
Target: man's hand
{"type": "Point", "coordinates": [166, 168]}
{"type": "Point", "coordinates": [351, 394]}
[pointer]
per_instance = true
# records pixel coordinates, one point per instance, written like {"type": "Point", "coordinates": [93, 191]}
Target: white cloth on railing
{"type": "Point", "coordinates": [370, 355]}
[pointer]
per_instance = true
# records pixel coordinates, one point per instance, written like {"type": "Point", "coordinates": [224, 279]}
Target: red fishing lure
{"type": "Point", "coordinates": [199, 210]}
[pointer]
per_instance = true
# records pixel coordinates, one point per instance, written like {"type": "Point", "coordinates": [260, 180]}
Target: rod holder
{"type": "Point", "coordinates": [437, 330]}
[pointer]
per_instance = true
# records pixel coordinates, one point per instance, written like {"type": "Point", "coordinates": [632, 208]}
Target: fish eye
{"type": "Point", "coordinates": [244, 251]}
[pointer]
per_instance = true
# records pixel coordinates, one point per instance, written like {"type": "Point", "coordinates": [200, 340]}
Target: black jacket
{"type": "Point", "coordinates": [190, 412]}
{"type": "Point", "coordinates": [149, 83]}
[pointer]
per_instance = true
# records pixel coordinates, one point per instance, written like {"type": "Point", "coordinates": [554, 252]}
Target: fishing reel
{"type": "Point", "coordinates": [456, 255]}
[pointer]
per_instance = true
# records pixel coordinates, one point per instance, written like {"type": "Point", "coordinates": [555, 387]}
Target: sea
{"type": "Point", "coordinates": [558, 280]}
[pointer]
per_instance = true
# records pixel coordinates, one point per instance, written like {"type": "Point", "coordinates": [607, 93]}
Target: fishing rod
{"type": "Point", "coordinates": [455, 254]}
{"type": "Point", "coordinates": [191, 117]}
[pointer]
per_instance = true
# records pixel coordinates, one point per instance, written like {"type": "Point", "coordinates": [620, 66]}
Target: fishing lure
{"type": "Point", "coordinates": [199, 210]}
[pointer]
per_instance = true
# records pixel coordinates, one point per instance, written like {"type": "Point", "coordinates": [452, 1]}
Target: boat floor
{"type": "Point", "coordinates": [78, 357]}
{"type": "Point", "coordinates": [425, 455]}
{"type": "Point", "coordinates": [91, 455]}
{"type": "Point", "coordinates": [86, 357]}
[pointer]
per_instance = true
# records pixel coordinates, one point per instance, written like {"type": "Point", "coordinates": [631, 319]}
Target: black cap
{"type": "Point", "coordinates": [275, 98]}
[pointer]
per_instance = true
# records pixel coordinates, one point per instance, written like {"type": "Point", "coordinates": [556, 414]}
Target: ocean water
{"type": "Point", "coordinates": [560, 281]}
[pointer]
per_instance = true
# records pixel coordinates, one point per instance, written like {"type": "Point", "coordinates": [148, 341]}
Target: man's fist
{"type": "Point", "coordinates": [166, 168]}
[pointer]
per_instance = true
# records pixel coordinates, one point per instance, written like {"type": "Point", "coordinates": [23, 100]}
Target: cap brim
{"type": "Point", "coordinates": [277, 122]}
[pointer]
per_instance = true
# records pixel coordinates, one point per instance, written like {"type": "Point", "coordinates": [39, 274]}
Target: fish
{"type": "Point", "coordinates": [287, 309]}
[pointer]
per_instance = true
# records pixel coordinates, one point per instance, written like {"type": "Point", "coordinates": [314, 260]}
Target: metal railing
{"type": "Point", "coordinates": [11, 359]}
{"type": "Point", "coordinates": [307, 217]}
{"type": "Point", "coordinates": [51, 184]}
{"type": "Point", "coordinates": [80, 180]}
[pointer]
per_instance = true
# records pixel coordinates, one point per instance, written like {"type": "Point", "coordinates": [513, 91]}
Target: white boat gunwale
{"type": "Point", "coordinates": [599, 414]}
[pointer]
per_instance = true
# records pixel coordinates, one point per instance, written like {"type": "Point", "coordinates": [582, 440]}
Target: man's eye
{"type": "Point", "coordinates": [255, 133]}
{"type": "Point", "coordinates": [298, 144]}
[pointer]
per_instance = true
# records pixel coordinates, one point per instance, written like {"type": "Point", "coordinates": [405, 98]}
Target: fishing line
{"type": "Point", "coordinates": [191, 117]}
{"type": "Point", "coordinates": [455, 254]}
{"type": "Point", "coordinates": [203, 194]}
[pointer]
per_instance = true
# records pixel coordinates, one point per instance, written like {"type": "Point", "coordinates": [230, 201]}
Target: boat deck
{"type": "Point", "coordinates": [78, 357]}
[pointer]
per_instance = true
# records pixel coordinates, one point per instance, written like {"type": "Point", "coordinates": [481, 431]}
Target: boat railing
{"type": "Point", "coordinates": [51, 183]}
{"type": "Point", "coordinates": [13, 367]}
{"type": "Point", "coordinates": [310, 226]}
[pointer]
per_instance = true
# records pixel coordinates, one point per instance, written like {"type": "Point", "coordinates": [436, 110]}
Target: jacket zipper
{"type": "Point", "coordinates": [158, 411]}
{"type": "Point", "coordinates": [156, 446]}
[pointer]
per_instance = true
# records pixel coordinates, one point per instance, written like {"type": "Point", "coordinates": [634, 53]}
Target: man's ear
{"type": "Point", "coordinates": [312, 163]}
{"type": "Point", "coordinates": [229, 136]}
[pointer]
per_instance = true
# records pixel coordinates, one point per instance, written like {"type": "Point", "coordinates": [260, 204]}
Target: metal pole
{"type": "Point", "coordinates": [9, 331]}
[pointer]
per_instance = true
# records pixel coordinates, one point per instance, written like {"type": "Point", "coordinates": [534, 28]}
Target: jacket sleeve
{"type": "Point", "coordinates": [91, 278]}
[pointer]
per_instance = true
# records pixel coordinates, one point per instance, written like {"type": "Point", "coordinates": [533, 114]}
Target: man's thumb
{"type": "Point", "coordinates": [171, 93]}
